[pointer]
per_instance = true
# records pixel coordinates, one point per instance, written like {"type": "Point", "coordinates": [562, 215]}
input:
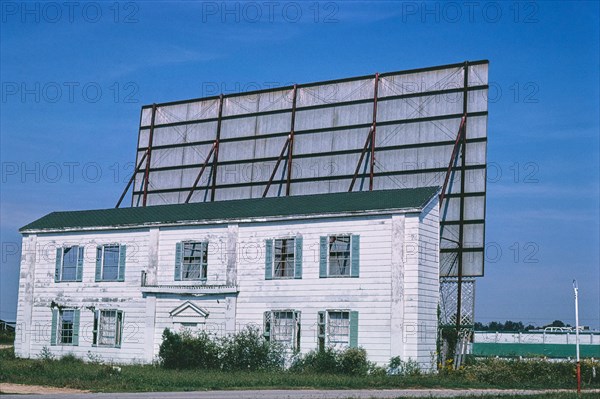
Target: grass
{"type": "Point", "coordinates": [74, 373]}
{"type": "Point", "coordinates": [560, 395]}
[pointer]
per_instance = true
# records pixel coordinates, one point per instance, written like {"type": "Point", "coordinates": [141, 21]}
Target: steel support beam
{"type": "Point", "coordinates": [135, 172]}
{"type": "Point", "coordinates": [373, 131]}
{"type": "Point", "coordinates": [462, 197]}
{"type": "Point", "coordinates": [216, 157]}
{"type": "Point", "coordinates": [360, 160]}
{"type": "Point", "coordinates": [201, 172]}
{"type": "Point", "coordinates": [291, 143]}
{"type": "Point", "coordinates": [149, 152]}
{"type": "Point", "coordinates": [285, 146]}
{"type": "Point", "coordinates": [457, 143]}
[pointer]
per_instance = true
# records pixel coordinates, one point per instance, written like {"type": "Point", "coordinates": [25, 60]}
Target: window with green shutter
{"type": "Point", "coordinates": [108, 328]}
{"type": "Point", "coordinates": [69, 264]}
{"type": "Point", "coordinates": [65, 327]}
{"type": "Point", "coordinates": [283, 258]}
{"type": "Point", "coordinates": [338, 328]}
{"type": "Point", "coordinates": [110, 262]}
{"type": "Point", "coordinates": [191, 260]}
{"type": "Point", "coordinates": [339, 256]}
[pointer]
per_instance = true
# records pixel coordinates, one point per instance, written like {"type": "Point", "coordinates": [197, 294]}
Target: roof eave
{"type": "Point", "coordinates": [204, 222]}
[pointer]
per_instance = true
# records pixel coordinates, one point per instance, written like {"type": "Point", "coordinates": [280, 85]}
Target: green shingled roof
{"type": "Point", "coordinates": [236, 209]}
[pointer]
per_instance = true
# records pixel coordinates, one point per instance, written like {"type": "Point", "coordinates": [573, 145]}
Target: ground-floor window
{"type": "Point", "coordinates": [283, 327]}
{"type": "Point", "coordinates": [65, 327]}
{"type": "Point", "coordinates": [337, 328]}
{"type": "Point", "coordinates": [108, 328]}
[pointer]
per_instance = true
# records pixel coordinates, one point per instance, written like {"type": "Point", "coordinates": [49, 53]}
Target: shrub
{"type": "Point", "coordinates": [70, 358]}
{"type": "Point", "coordinates": [399, 367]}
{"type": "Point", "coordinates": [353, 361]}
{"type": "Point", "coordinates": [246, 350]}
{"type": "Point", "coordinates": [46, 355]}
{"type": "Point", "coordinates": [315, 361]}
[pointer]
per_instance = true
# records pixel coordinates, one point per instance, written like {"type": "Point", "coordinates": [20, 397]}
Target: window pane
{"type": "Point", "coordinates": [284, 258]}
{"type": "Point", "coordinates": [65, 327]}
{"type": "Point", "coordinates": [194, 261]}
{"type": "Point", "coordinates": [339, 255]}
{"type": "Point", "coordinates": [110, 263]}
{"type": "Point", "coordinates": [283, 328]}
{"type": "Point", "coordinates": [338, 329]}
{"type": "Point", "coordinates": [69, 268]}
{"type": "Point", "coordinates": [107, 328]}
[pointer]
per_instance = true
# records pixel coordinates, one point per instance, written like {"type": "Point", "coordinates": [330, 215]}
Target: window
{"type": "Point", "coordinates": [337, 328]}
{"type": "Point", "coordinates": [110, 262]}
{"type": "Point", "coordinates": [191, 261]}
{"type": "Point", "coordinates": [69, 264]}
{"type": "Point", "coordinates": [108, 328]}
{"type": "Point", "coordinates": [283, 327]}
{"type": "Point", "coordinates": [65, 327]}
{"type": "Point", "coordinates": [339, 256]}
{"type": "Point", "coordinates": [283, 258]}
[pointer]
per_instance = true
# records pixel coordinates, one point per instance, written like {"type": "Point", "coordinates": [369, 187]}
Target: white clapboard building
{"type": "Point", "coordinates": [358, 269]}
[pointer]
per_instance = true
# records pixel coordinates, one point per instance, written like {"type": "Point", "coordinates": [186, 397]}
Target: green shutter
{"type": "Point", "coordinates": [354, 329]}
{"type": "Point", "coordinates": [98, 263]}
{"type": "Point", "coordinates": [321, 326]}
{"type": "Point", "coordinates": [80, 255]}
{"type": "Point", "coordinates": [323, 257]}
{"type": "Point", "coordinates": [355, 256]}
{"type": "Point", "coordinates": [119, 329]}
{"type": "Point", "coordinates": [76, 327]}
{"type": "Point", "coordinates": [268, 259]}
{"type": "Point", "coordinates": [58, 265]}
{"type": "Point", "coordinates": [53, 331]}
{"type": "Point", "coordinates": [298, 258]}
{"type": "Point", "coordinates": [122, 259]}
{"type": "Point", "coordinates": [267, 325]}
{"type": "Point", "coordinates": [95, 328]}
{"type": "Point", "coordinates": [178, 259]}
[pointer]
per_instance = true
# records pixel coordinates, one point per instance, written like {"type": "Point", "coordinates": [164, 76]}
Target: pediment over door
{"type": "Point", "coordinates": [189, 313]}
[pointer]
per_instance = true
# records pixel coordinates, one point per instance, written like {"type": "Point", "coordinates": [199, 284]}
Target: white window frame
{"type": "Point", "coordinates": [330, 326]}
{"type": "Point", "coordinates": [348, 259]}
{"type": "Point", "coordinates": [103, 246]}
{"type": "Point", "coordinates": [117, 340]}
{"type": "Point", "coordinates": [290, 261]}
{"type": "Point", "coordinates": [273, 330]}
{"type": "Point", "coordinates": [203, 261]}
{"type": "Point", "coordinates": [62, 262]}
{"type": "Point", "coordinates": [59, 327]}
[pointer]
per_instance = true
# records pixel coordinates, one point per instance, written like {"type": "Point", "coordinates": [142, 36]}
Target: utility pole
{"type": "Point", "coordinates": [576, 290]}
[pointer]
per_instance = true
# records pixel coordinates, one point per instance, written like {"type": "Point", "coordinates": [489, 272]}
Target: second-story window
{"type": "Point", "coordinates": [283, 258]}
{"type": "Point", "coordinates": [110, 262]}
{"type": "Point", "coordinates": [69, 264]}
{"type": "Point", "coordinates": [339, 255]}
{"type": "Point", "coordinates": [191, 261]}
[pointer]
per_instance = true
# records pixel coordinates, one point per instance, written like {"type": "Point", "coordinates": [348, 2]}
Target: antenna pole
{"type": "Point", "coordinates": [576, 290]}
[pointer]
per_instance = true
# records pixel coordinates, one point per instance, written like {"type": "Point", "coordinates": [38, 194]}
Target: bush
{"type": "Point", "coordinates": [246, 350]}
{"type": "Point", "coordinates": [351, 361]}
{"type": "Point", "coordinates": [249, 351]}
{"type": "Point", "coordinates": [399, 367]}
{"type": "Point", "coordinates": [325, 361]}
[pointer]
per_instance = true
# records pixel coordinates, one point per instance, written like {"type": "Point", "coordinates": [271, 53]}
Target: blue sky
{"type": "Point", "coordinates": [75, 74]}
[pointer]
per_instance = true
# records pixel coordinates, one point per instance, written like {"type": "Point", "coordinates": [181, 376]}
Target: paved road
{"type": "Point", "coordinates": [296, 394]}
